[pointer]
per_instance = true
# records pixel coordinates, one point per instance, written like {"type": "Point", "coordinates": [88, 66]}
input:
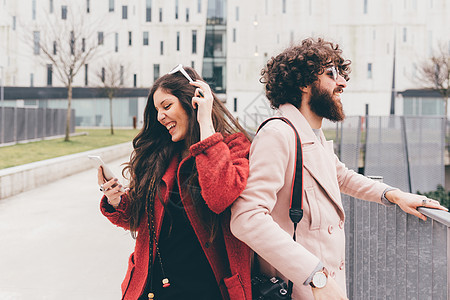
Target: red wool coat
{"type": "Point", "coordinates": [222, 165]}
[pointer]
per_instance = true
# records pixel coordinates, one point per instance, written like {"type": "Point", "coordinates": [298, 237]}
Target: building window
{"type": "Point", "coordinates": [178, 41]}
{"type": "Point", "coordinates": [116, 48]}
{"type": "Point", "coordinates": [234, 35]}
{"type": "Point", "coordinates": [187, 14]}
{"type": "Point", "coordinates": [160, 15]}
{"type": "Point", "coordinates": [86, 68]}
{"type": "Point", "coordinates": [100, 37]}
{"type": "Point", "coordinates": [148, 11]}
{"type": "Point", "coordinates": [111, 5]}
{"type": "Point", "coordinates": [369, 70]}
{"type": "Point", "coordinates": [365, 7]}
{"type": "Point", "coordinates": [124, 12]}
{"type": "Point", "coordinates": [237, 13]}
{"type": "Point", "coordinates": [88, 6]}
{"type": "Point", "coordinates": [50, 9]}
{"type": "Point", "coordinates": [199, 6]}
{"type": "Point", "coordinates": [192, 64]}
{"type": "Point", "coordinates": [72, 43]}
{"type": "Point", "coordinates": [134, 80]}
{"type": "Point", "coordinates": [176, 9]}
{"type": "Point", "coordinates": [235, 104]}
{"type": "Point", "coordinates": [215, 43]}
{"type": "Point", "coordinates": [31, 80]}
{"type": "Point", "coordinates": [284, 6]}
{"type": "Point", "coordinates": [145, 38]}
{"type": "Point", "coordinates": [130, 38]}
{"type": "Point", "coordinates": [194, 41]}
{"type": "Point", "coordinates": [33, 9]}
{"type": "Point", "coordinates": [37, 41]}
{"type": "Point", "coordinates": [404, 34]}
{"type": "Point", "coordinates": [121, 75]}
{"type": "Point", "coordinates": [103, 75]}
{"type": "Point", "coordinates": [55, 48]}
{"type": "Point", "coordinates": [83, 44]}
{"type": "Point", "coordinates": [14, 22]}
{"type": "Point", "coordinates": [64, 12]}
{"type": "Point", "coordinates": [161, 47]}
{"type": "Point", "coordinates": [49, 74]}
{"type": "Point", "coordinates": [155, 72]}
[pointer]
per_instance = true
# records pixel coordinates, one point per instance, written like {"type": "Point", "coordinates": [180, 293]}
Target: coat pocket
{"type": "Point", "coordinates": [314, 212]}
{"type": "Point", "coordinates": [130, 271]}
{"type": "Point", "coordinates": [235, 287]}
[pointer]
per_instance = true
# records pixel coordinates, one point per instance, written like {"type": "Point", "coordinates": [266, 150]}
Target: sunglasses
{"type": "Point", "coordinates": [179, 68]}
{"type": "Point", "coordinates": [332, 72]}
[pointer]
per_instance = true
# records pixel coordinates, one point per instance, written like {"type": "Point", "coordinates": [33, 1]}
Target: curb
{"type": "Point", "coordinates": [23, 178]}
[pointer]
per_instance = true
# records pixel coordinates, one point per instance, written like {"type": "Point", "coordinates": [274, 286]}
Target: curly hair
{"type": "Point", "coordinates": [299, 66]}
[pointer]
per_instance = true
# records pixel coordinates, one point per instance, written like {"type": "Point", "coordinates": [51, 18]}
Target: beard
{"type": "Point", "coordinates": [323, 104]}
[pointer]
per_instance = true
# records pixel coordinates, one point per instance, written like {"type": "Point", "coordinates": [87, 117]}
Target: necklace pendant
{"type": "Point", "coordinates": [165, 282]}
{"type": "Point", "coordinates": [151, 296]}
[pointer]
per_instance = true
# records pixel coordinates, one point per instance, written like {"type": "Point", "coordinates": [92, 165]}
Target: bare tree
{"type": "Point", "coordinates": [434, 73]}
{"type": "Point", "coordinates": [67, 43]}
{"type": "Point", "coordinates": [112, 77]}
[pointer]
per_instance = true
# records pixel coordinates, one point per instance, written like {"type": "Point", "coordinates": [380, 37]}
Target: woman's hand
{"type": "Point", "coordinates": [410, 202]}
{"type": "Point", "coordinates": [204, 108]}
{"type": "Point", "coordinates": [111, 188]}
{"type": "Point", "coordinates": [330, 291]}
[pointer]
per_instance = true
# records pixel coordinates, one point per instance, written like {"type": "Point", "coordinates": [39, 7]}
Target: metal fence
{"type": "Point", "coordinates": [407, 151]}
{"type": "Point", "coordinates": [21, 124]}
{"type": "Point", "coordinates": [392, 255]}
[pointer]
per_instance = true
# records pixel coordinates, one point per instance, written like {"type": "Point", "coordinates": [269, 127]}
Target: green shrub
{"type": "Point", "coordinates": [439, 194]}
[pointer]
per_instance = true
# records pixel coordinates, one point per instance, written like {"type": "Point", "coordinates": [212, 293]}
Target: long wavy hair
{"type": "Point", "coordinates": [299, 66]}
{"type": "Point", "coordinates": [154, 150]}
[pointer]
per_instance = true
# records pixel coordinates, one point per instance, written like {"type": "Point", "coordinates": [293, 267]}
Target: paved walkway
{"type": "Point", "coordinates": [55, 243]}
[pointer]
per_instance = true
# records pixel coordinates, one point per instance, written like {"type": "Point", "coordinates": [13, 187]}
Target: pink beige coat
{"type": "Point", "coordinates": [260, 216]}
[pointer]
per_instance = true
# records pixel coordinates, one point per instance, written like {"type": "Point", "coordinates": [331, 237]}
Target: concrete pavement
{"type": "Point", "coordinates": [55, 243]}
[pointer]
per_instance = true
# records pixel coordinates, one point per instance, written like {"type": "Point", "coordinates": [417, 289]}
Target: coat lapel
{"type": "Point", "coordinates": [318, 159]}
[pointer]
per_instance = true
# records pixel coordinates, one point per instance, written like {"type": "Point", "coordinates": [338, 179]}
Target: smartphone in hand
{"type": "Point", "coordinates": [107, 173]}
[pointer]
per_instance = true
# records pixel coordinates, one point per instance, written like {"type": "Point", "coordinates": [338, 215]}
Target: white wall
{"type": "Point", "coordinates": [262, 29]}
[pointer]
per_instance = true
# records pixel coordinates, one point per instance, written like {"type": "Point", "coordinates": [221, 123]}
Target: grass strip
{"type": "Point", "coordinates": [20, 154]}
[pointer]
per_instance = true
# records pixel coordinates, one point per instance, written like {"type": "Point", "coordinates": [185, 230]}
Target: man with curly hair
{"type": "Point", "coordinates": [304, 83]}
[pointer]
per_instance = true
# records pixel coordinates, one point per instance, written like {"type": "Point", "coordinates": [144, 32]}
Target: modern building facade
{"type": "Point", "coordinates": [228, 42]}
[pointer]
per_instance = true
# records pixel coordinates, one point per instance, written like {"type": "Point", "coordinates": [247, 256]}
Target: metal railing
{"type": "Point", "coordinates": [21, 124]}
{"type": "Point", "coordinates": [392, 255]}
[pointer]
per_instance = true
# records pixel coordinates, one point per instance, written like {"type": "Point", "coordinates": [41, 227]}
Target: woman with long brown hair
{"type": "Point", "coordinates": [190, 162]}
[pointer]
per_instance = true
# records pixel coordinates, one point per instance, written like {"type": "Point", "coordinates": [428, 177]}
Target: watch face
{"type": "Point", "coordinates": [319, 280]}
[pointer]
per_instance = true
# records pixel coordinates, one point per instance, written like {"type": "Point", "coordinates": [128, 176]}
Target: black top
{"type": "Point", "coordinates": [183, 259]}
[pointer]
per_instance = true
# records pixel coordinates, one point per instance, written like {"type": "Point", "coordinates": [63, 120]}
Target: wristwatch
{"type": "Point", "coordinates": [319, 279]}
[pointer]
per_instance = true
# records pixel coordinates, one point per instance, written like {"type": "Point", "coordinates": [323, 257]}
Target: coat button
{"type": "Point", "coordinates": [341, 224]}
{"type": "Point", "coordinates": [330, 229]}
{"type": "Point", "coordinates": [341, 266]}
{"type": "Point", "coordinates": [206, 245]}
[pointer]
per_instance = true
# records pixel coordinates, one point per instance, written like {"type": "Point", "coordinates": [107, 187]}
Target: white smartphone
{"type": "Point", "coordinates": [107, 173]}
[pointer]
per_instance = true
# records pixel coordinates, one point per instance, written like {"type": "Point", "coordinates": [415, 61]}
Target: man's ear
{"type": "Point", "coordinates": [305, 89]}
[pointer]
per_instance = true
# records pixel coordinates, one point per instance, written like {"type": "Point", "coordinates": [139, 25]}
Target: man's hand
{"type": "Point", "coordinates": [410, 202]}
{"type": "Point", "coordinates": [330, 291]}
